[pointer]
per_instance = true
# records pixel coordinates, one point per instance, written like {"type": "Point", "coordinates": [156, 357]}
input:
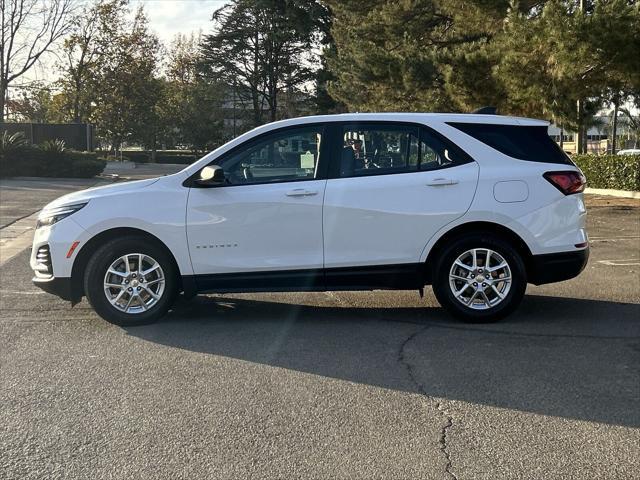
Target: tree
{"type": "Point", "coordinates": [263, 48]}
{"type": "Point", "coordinates": [527, 57]}
{"type": "Point", "coordinates": [125, 91]}
{"type": "Point", "coordinates": [415, 56]}
{"type": "Point", "coordinates": [29, 29]}
{"type": "Point", "coordinates": [83, 54]}
{"type": "Point", "coordinates": [33, 104]}
{"type": "Point", "coordinates": [191, 109]}
{"type": "Point", "coordinates": [557, 57]}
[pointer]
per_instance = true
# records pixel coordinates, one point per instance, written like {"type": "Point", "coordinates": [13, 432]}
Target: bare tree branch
{"type": "Point", "coordinates": [30, 28]}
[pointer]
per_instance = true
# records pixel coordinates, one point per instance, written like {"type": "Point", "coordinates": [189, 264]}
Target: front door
{"type": "Point", "coordinates": [268, 216]}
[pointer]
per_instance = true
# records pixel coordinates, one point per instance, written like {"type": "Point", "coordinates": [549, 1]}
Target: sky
{"type": "Point", "coordinates": [170, 17]}
{"type": "Point", "coordinates": [166, 19]}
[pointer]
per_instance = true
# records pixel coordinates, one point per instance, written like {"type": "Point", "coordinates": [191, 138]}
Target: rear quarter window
{"type": "Point", "coordinates": [522, 142]}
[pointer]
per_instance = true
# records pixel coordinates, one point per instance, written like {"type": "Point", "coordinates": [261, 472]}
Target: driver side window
{"type": "Point", "coordinates": [284, 156]}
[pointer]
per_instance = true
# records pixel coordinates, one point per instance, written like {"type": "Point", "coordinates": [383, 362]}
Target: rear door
{"type": "Point", "coordinates": [393, 187]}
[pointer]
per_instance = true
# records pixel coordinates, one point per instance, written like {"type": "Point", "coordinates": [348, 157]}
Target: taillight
{"type": "Point", "coordinates": [567, 182]}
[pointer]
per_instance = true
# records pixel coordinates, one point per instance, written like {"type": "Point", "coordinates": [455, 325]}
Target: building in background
{"type": "Point", "coordinates": [599, 135]}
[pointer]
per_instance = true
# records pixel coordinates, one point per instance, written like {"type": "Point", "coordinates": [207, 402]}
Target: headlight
{"type": "Point", "coordinates": [50, 216]}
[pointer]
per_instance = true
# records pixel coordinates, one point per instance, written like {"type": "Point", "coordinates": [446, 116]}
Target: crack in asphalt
{"type": "Point", "coordinates": [444, 448]}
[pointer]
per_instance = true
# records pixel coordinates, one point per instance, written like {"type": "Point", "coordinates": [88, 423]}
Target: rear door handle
{"type": "Point", "coordinates": [439, 182]}
{"type": "Point", "coordinates": [301, 192]}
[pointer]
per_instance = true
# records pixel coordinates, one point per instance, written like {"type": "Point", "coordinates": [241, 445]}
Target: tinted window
{"type": "Point", "coordinates": [521, 142]}
{"type": "Point", "coordinates": [280, 157]}
{"type": "Point", "coordinates": [387, 149]}
{"type": "Point", "coordinates": [438, 152]}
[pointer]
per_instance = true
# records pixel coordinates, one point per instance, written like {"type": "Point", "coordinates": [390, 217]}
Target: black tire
{"type": "Point", "coordinates": [100, 262]}
{"type": "Point", "coordinates": [443, 290]}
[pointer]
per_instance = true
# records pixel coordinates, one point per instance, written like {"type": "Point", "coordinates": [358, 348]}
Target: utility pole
{"type": "Point", "coordinates": [581, 140]}
{"type": "Point", "coordinates": [614, 132]}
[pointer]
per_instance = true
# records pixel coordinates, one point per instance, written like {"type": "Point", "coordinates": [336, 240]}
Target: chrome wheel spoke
{"type": "Point", "coordinates": [503, 264]}
{"type": "Point", "coordinates": [128, 303]}
{"type": "Point", "coordinates": [459, 277]}
{"type": "Point", "coordinates": [498, 293]}
{"type": "Point", "coordinates": [153, 295]}
{"type": "Point", "coordinates": [485, 298]}
{"type": "Point", "coordinates": [149, 270]}
{"type": "Point", "coordinates": [115, 300]}
{"type": "Point", "coordinates": [471, 298]}
{"type": "Point", "coordinates": [461, 291]}
{"type": "Point", "coordinates": [142, 302]}
{"type": "Point", "coordinates": [466, 267]}
{"type": "Point", "coordinates": [115, 272]}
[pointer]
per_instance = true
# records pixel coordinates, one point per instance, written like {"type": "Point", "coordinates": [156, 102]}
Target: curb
{"type": "Point", "coordinates": [17, 237]}
{"type": "Point", "coordinates": [613, 193]}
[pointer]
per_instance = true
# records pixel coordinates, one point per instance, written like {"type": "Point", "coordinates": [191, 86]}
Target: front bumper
{"type": "Point", "coordinates": [556, 267]}
{"type": "Point", "coordinates": [59, 286]}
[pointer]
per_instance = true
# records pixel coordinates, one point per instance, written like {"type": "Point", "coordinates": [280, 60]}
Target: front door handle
{"type": "Point", "coordinates": [301, 192]}
{"type": "Point", "coordinates": [439, 182]}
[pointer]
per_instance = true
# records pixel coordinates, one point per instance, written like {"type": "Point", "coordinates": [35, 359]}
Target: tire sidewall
{"type": "Point", "coordinates": [446, 297]}
{"type": "Point", "coordinates": [102, 260]}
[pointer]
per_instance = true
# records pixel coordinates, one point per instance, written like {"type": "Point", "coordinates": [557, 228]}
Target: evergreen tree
{"type": "Point", "coordinates": [263, 48]}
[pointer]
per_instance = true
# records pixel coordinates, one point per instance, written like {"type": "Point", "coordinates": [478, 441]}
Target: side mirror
{"type": "Point", "coordinates": [211, 176]}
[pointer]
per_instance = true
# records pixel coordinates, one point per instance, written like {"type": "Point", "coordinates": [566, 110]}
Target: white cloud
{"type": "Point", "coordinates": [167, 18]}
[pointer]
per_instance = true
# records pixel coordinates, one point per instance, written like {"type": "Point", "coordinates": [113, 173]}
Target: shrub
{"type": "Point", "coordinates": [621, 172]}
{"type": "Point", "coordinates": [162, 156]}
{"type": "Point", "coordinates": [180, 159]}
{"type": "Point", "coordinates": [12, 142]}
{"type": "Point", "coordinates": [137, 156]}
{"type": "Point", "coordinates": [55, 147]}
{"type": "Point", "coordinates": [35, 162]}
{"type": "Point", "coordinates": [86, 164]}
{"type": "Point", "coordinates": [112, 158]}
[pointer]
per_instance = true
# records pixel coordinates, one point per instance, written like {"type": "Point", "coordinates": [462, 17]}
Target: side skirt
{"type": "Point", "coordinates": [385, 277]}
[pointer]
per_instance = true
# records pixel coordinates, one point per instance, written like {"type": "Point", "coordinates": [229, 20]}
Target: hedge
{"type": "Point", "coordinates": [620, 172]}
{"type": "Point", "coordinates": [177, 157]}
{"type": "Point", "coordinates": [34, 162]}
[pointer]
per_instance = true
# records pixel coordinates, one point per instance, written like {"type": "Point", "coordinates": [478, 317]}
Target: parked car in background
{"type": "Point", "coordinates": [629, 151]}
{"type": "Point", "coordinates": [475, 205]}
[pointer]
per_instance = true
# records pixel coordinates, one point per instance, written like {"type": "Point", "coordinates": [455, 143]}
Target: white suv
{"type": "Point", "coordinates": [475, 205]}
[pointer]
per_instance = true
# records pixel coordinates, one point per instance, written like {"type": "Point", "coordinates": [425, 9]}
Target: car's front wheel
{"type": "Point", "coordinates": [131, 281]}
{"type": "Point", "coordinates": [480, 278]}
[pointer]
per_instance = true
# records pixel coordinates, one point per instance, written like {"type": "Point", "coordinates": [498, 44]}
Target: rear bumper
{"type": "Point", "coordinates": [60, 287]}
{"type": "Point", "coordinates": [556, 267]}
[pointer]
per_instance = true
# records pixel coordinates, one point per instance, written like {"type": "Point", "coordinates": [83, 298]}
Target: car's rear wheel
{"type": "Point", "coordinates": [131, 281]}
{"type": "Point", "coordinates": [480, 278]}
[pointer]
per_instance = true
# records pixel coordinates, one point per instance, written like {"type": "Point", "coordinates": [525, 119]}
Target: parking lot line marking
{"type": "Point", "coordinates": [613, 239]}
{"type": "Point", "coordinates": [627, 262]}
{"type": "Point", "coordinates": [11, 292]}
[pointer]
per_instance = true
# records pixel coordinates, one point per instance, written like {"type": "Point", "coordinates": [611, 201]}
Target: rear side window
{"type": "Point", "coordinates": [522, 142]}
{"type": "Point", "coordinates": [383, 149]}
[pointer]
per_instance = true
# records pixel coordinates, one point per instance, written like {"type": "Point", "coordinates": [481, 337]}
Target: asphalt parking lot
{"type": "Point", "coordinates": [335, 385]}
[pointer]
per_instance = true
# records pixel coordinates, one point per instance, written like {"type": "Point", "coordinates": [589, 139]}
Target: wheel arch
{"type": "Point", "coordinates": [479, 227]}
{"type": "Point", "coordinates": [83, 256]}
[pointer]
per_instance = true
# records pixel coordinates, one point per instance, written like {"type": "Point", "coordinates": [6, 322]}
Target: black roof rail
{"type": "Point", "coordinates": [485, 111]}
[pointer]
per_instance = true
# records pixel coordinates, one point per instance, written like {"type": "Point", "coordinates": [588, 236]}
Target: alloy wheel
{"type": "Point", "coordinates": [134, 283]}
{"type": "Point", "coordinates": [480, 278]}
